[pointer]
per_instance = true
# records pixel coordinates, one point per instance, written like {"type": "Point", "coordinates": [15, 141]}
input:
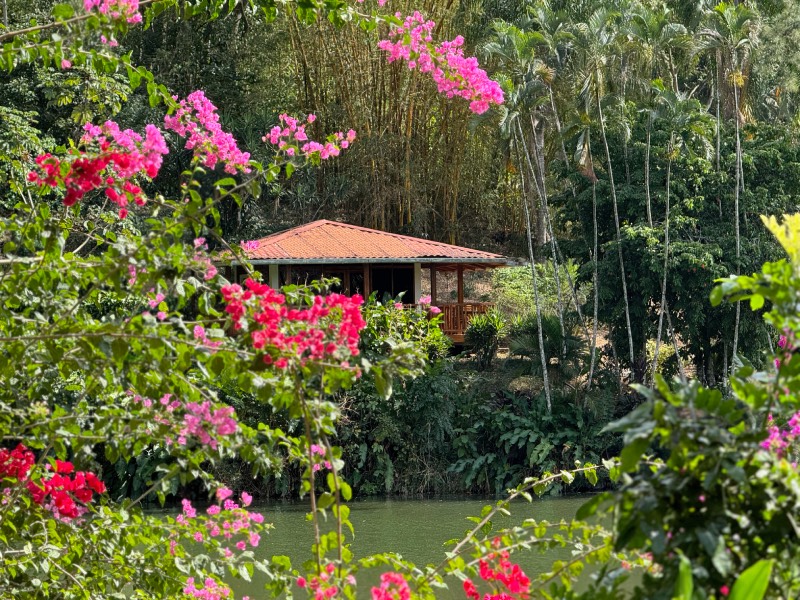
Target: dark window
{"type": "Point", "coordinates": [393, 281]}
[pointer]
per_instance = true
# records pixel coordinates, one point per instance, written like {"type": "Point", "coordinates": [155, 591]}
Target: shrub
{"type": "Point", "coordinates": [483, 335]}
{"type": "Point", "coordinates": [569, 349]}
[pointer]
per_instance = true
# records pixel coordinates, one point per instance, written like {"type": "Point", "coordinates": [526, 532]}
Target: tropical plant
{"type": "Point", "coordinates": [483, 336]}
{"type": "Point", "coordinates": [732, 30]}
{"type": "Point", "coordinates": [594, 40]}
{"type": "Point", "coordinates": [686, 122]}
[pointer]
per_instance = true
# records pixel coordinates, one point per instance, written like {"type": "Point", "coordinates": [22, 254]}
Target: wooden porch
{"type": "Point", "coordinates": [456, 317]}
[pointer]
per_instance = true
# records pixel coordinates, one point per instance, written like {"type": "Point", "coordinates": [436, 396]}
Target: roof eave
{"type": "Point", "coordinates": [488, 262]}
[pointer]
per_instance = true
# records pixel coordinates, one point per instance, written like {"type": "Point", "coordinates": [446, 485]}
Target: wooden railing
{"type": "Point", "coordinates": [456, 317]}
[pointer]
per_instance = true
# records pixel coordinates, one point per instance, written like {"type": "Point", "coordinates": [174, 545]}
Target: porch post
{"type": "Point", "coordinates": [274, 279]}
{"type": "Point", "coordinates": [417, 282]}
{"type": "Point", "coordinates": [461, 284]}
{"type": "Point", "coordinates": [433, 286]}
{"type": "Point", "coordinates": [367, 282]}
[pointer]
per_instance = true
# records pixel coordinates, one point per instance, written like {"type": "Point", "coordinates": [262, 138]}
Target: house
{"type": "Point", "coordinates": [366, 260]}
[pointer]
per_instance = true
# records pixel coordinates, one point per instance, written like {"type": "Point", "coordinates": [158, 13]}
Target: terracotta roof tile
{"type": "Point", "coordinates": [329, 240]}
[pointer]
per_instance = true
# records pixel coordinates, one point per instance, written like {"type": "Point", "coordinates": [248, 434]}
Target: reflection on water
{"type": "Point", "coordinates": [415, 529]}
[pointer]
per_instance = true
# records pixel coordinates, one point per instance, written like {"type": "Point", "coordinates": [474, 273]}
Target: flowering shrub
{"type": "Point", "coordinates": [127, 10]}
{"type": "Point", "coordinates": [61, 491]}
{"type": "Point", "coordinates": [393, 587]}
{"type": "Point", "coordinates": [197, 120]}
{"type": "Point", "coordinates": [454, 74]}
{"type": "Point", "coordinates": [287, 333]}
{"type": "Point", "coordinates": [115, 159]}
{"type": "Point", "coordinates": [292, 140]}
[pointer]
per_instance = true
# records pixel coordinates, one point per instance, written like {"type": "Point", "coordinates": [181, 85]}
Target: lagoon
{"type": "Point", "coordinates": [415, 529]}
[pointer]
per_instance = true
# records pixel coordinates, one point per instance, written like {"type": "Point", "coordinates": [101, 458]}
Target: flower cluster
{"type": "Point", "coordinates": [210, 270]}
{"type": "Point", "coordinates": [319, 463]}
{"type": "Point", "coordinates": [227, 521]}
{"type": "Point", "coordinates": [120, 156]}
{"type": "Point", "coordinates": [64, 492]}
{"type": "Point", "coordinates": [455, 75]}
{"type": "Point", "coordinates": [115, 9]}
{"type": "Point", "coordinates": [200, 422]}
{"type": "Point", "coordinates": [780, 440]}
{"type": "Point", "coordinates": [325, 329]}
{"type": "Point", "coordinates": [497, 568]}
{"type": "Point", "coordinates": [787, 344]}
{"type": "Point", "coordinates": [199, 333]}
{"type": "Point", "coordinates": [393, 587]}
{"type": "Point", "coordinates": [324, 585]}
{"type": "Point", "coordinates": [17, 463]}
{"type": "Point", "coordinates": [425, 302]}
{"type": "Point", "coordinates": [196, 118]}
{"type": "Point", "coordinates": [380, 2]}
{"type": "Point", "coordinates": [292, 140]}
{"type": "Point", "coordinates": [211, 590]}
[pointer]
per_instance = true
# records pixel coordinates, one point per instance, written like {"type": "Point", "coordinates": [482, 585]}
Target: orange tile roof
{"type": "Point", "coordinates": [322, 241]}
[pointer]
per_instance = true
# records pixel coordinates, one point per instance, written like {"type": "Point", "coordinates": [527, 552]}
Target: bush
{"type": "Point", "coordinates": [523, 340]}
{"type": "Point", "coordinates": [483, 335]}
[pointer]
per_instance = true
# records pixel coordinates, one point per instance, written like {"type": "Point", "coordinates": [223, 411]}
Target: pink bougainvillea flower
{"type": "Point", "coordinates": [115, 9]}
{"type": "Point", "coordinates": [454, 74]}
{"type": "Point", "coordinates": [197, 120]}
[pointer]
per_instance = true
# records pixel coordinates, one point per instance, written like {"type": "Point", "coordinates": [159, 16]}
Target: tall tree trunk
{"type": "Point", "coordinates": [616, 225]}
{"type": "Point", "coordinates": [719, 132]}
{"type": "Point", "coordinates": [558, 129]}
{"type": "Point", "coordinates": [538, 177]}
{"type": "Point", "coordinates": [666, 262]}
{"type": "Point", "coordinates": [674, 337]}
{"type": "Point", "coordinates": [572, 285]}
{"type": "Point", "coordinates": [673, 72]}
{"type": "Point", "coordinates": [595, 282]}
{"type": "Point", "coordinates": [736, 216]}
{"type": "Point", "coordinates": [545, 379]}
{"type": "Point", "coordinates": [647, 170]}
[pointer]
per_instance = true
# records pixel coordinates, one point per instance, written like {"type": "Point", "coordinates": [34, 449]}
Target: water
{"type": "Point", "coordinates": [416, 529]}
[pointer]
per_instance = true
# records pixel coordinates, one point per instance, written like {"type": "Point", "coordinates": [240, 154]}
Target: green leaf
{"type": "Point", "coordinates": [590, 507]}
{"type": "Point", "coordinates": [631, 453]}
{"type": "Point", "coordinates": [345, 490]}
{"type": "Point", "coordinates": [753, 583]}
{"type": "Point", "coordinates": [63, 11]}
{"type": "Point", "coordinates": [684, 586]}
{"type": "Point", "coordinates": [756, 301]}
{"type": "Point", "coordinates": [591, 476]}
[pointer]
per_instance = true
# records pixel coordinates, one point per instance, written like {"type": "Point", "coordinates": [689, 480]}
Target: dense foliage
{"type": "Point", "coordinates": [131, 369]}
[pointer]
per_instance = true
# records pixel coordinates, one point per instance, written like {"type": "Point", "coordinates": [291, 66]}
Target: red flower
{"type": "Point", "coordinates": [470, 590]}
{"type": "Point", "coordinates": [64, 467]}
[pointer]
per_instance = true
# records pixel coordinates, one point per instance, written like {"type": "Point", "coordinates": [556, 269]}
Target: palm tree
{"type": "Point", "coordinates": [553, 35]}
{"type": "Point", "coordinates": [519, 142]}
{"type": "Point", "coordinates": [583, 157]}
{"type": "Point", "coordinates": [687, 122]}
{"type": "Point", "coordinates": [509, 46]}
{"type": "Point", "coordinates": [654, 36]}
{"type": "Point", "coordinates": [515, 49]}
{"type": "Point", "coordinates": [732, 32]}
{"type": "Point", "coordinates": [595, 40]}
